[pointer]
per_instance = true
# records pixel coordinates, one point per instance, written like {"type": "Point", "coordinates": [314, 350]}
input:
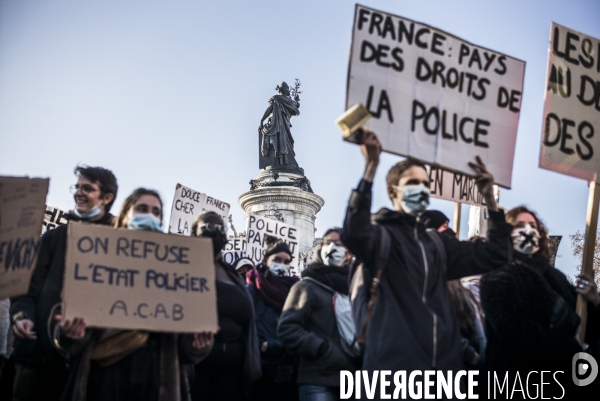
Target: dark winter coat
{"type": "Point", "coordinates": [307, 322]}
{"type": "Point", "coordinates": [155, 372]}
{"type": "Point", "coordinates": [414, 326]}
{"type": "Point", "coordinates": [530, 317]}
{"type": "Point", "coordinates": [44, 292]}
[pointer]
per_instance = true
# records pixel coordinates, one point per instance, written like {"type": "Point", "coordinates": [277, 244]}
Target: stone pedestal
{"type": "Point", "coordinates": [285, 196]}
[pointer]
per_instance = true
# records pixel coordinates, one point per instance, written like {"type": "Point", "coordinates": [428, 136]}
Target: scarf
{"type": "Point", "coordinates": [273, 290]}
{"type": "Point", "coordinates": [332, 276]}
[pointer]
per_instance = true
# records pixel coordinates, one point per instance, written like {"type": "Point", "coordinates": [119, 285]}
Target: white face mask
{"type": "Point", "coordinates": [526, 240]}
{"type": "Point", "coordinates": [333, 255]}
{"type": "Point", "coordinates": [279, 269]}
{"type": "Point", "coordinates": [415, 198]}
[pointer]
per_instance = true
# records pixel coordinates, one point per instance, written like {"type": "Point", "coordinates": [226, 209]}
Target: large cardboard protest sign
{"type": "Point", "coordinates": [188, 204]}
{"type": "Point", "coordinates": [22, 205]}
{"type": "Point", "coordinates": [234, 250]}
{"type": "Point", "coordinates": [53, 217]}
{"type": "Point", "coordinates": [452, 186]}
{"type": "Point", "coordinates": [258, 228]}
{"type": "Point", "coordinates": [435, 97]}
{"type": "Point", "coordinates": [571, 126]}
{"type": "Point", "coordinates": [130, 279]}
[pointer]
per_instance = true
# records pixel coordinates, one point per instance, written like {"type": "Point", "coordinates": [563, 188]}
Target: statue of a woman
{"type": "Point", "coordinates": [276, 141]}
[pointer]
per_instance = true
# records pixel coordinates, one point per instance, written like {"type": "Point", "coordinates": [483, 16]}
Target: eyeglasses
{"type": "Point", "coordinates": [212, 227]}
{"type": "Point", "coordinates": [85, 188]}
{"type": "Point", "coordinates": [328, 241]}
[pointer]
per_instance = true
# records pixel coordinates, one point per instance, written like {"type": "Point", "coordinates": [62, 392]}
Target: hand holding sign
{"type": "Point", "coordinates": [73, 329]}
{"type": "Point", "coordinates": [485, 183]}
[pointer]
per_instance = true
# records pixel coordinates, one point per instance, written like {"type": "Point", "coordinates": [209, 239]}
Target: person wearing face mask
{"type": "Point", "coordinates": [412, 298]}
{"type": "Point", "coordinates": [118, 365]}
{"type": "Point", "coordinates": [269, 285]}
{"type": "Point", "coordinates": [530, 306]}
{"type": "Point", "coordinates": [308, 322]}
{"type": "Point", "coordinates": [41, 371]}
{"type": "Point", "coordinates": [234, 361]}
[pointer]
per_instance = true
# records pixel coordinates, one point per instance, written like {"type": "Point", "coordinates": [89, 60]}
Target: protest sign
{"type": "Point", "coordinates": [257, 228]}
{"type": "Point", "coordinates": [456, 187]}
{"type": "Point", "coordinates": [435, 97]}
{"type": "Point", "coordinates": [571, 126]}
{"type": "Point", "coordinates": [22, 205]}
{"type": "Point", "coordinates": [234, 250]}
{"type": "Point", "coordinates": [53, 217]}
{"type": "Point", "coordinates": [188, 204]}
{"type": "Point", "coordinates": [131, 279]}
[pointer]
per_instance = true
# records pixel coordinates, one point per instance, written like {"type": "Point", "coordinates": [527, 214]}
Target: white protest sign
{"type": "Point", "coordinates": [433, 96]}
{"type": "Point", "coordinates": [456, 187]}
{"type": "Point", "coordinates": [234, 250]}
{"type": "Point", "coordinates": [131, 279]}
{"type": "Point", "coordinates": [257, 228]}
{"type": "Point", "coordinates": [188, 204]}
{"type": "Point", "coordinates": [571, 126]}
{"type": "Point", "coordinates": [53, 217]}
{"type": "Point", "coordinates": [22, 205]}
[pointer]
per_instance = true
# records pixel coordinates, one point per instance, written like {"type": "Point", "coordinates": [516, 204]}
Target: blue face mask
{"type": "Point", "coordinates": [415, 199]}
{"type": "Point", "coordinates": [146, 221]}
{"type": "Point", "coordinates": [88, 215]}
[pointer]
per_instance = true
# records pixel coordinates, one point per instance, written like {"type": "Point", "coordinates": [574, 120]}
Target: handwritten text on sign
{"type": "Point", "coordinates": [22, 205]}
{"type": "Point", "coordinates": [129, 279]}
{"type": "Point", "coordinates": [188, 204]}
{"type": "Point", "coordinates": [571, 132]}
{"type": "Point", "coordinates": [433, 96]}
{"type": "Point", "coordinates": [258, 228]}
{"type": "Point", "coordinates": [234, 250]}
{"type": "Point", "coordinates": [454, 187]}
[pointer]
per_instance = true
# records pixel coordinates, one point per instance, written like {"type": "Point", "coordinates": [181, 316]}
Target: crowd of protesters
{"type": "Point", "coordinates": [411, 295]}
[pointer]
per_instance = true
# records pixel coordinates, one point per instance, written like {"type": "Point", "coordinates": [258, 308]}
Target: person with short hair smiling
{"type": "Point", "coordinates": [41, 371]}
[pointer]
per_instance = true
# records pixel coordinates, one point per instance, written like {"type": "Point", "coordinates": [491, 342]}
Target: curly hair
{"type": "Point", "coordinates": [544, 251]}
{"type": "Point", "coordinates": [130, 203]}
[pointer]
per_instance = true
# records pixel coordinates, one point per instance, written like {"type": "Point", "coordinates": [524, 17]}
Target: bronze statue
{"type": "Point", "coordinates": [275, 137]}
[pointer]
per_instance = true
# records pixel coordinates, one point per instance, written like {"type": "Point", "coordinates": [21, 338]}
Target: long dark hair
{"type": "Point", "coordinates": [131, 201]}
{"type": "Point", "coordinates": [465, 306]}
{"type": "Point", "coordinates": [544, 251]}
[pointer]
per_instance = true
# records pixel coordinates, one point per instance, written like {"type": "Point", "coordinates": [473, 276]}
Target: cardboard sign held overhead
{"type": "Point", "coordinates": [22, 205]}
{"type": "Point", "coordinates": [456, 187]}
{"type": "Point", "coordinates": [129, 279]}
{"type": "Point", "coordinates": [257, 228]}
{"type": "Point", "coordinates": [571, 127]}
{"type": "Point", "coordinates": [188, 204]}
{"type": "Point", "coordinates": [234, 250]}
{"type": "Point", "coordinates": [53, 217]}
{"type": "Point", "coordinates": [435, 97]}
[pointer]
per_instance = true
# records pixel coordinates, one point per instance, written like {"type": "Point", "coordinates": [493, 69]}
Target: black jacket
{"type": "Point", "coordinates": [306, 323]}
{"type": "Point", "coordinates": [414, 326]}
{"type": "Point", "coordinates": [530, 317]}
{"type": "Point", "coordinates": [45, 290]}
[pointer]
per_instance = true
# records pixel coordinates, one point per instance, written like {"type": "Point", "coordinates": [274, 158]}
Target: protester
{"type": "Point", "coordinates": [308, 321]}
{"type": "Point", "coordinates": [234, 361]}
{"type": "Point", "coordinates": [438, 221]}
{"type": "Point", "coordinates": [269, 286]}
{"type": "Point", "coordinates": [530, 306]}
{"type": "Point", "coordinates": [412, 300]}
{"type": "Point", "coordinates": [244, 265]}
{"type": "Point", "coordinates": [114, 365]}
{"type": "Point", "coordinates": [41, 371]}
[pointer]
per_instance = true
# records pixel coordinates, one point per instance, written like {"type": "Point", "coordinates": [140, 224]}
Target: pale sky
{"type": "Point", "coordinates": [163, 92]}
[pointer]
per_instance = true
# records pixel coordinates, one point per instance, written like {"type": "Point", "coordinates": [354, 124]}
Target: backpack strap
{"type": "Point", "coordinates": [328, 288]}
{"type": "Point", "coordinates": [438, 245]}
{"type": "Point", "coordinates": [381, 261]}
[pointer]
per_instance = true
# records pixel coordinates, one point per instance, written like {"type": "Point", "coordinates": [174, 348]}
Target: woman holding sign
{"type": "Point", "coordinates": [233, 363]}
{"type": "Point", "coordinates": [269, 285]}
{"type": "Point", "coordinates": [530, 306]}
{"type": "Point", "coordinates": [123, 365]}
